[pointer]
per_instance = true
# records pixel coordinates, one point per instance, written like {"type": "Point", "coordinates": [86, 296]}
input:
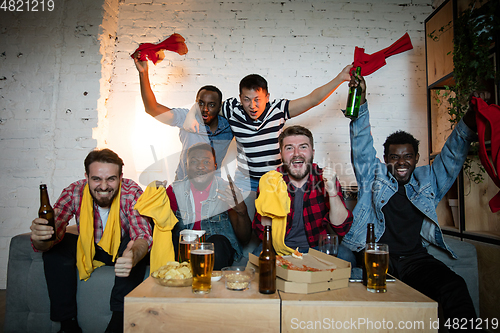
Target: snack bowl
{"type": "Point", "coordinates": [238, 277]}
{"type": "Point", "coordinates": [216, 276]}
{"type": "Point", "coordinates": [174, 274]}
{"type": "Point", "coordinates": [174, 282]}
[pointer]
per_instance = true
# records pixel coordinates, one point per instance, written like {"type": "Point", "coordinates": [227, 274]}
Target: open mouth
{"type": "Point", "coordinates": [401, 172]}
{"type": "Point", "coordinates": [297, 163]}
{"type": "Point", "coordinates": [103, 193]}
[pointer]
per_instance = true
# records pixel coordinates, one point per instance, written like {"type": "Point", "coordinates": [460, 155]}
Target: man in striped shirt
{"type": "Point", "coordinates": [256, 124]}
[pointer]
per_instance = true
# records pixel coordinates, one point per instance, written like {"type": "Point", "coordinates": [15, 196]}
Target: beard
{"type": "Point", "coordinates": [103, 202]}
{"type": "Point", "coordinates": [298, 174]}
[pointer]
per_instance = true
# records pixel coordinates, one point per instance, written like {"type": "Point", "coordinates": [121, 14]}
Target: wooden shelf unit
{"type": "Point", "coordinates": [475, 219]}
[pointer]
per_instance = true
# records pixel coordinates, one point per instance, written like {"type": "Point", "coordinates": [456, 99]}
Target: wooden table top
{"type": "Point", "coordinates": [155, 293]}
{"type": "Point", "coordinates": [356, 294]}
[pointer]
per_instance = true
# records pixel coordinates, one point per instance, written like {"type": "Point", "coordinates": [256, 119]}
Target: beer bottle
{"type": "Point", "coordinates": [267, 264]}
{"type": "Point", "coordinates": [46, 211]}
{"type": "Point", "coordinates": [353, 100]}
{"type": "Point", "coordinates": [370, 238]}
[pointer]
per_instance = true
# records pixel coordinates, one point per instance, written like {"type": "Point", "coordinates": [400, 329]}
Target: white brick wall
{"type": "Point", "coordinates": [48, 124]}
{"type": "Point", "coordinates": [50, 67]}
{"type": "Point", "coordinates": [296, 45]}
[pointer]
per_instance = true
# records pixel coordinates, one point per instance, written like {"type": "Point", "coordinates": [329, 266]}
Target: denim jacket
{"type": "Point", "coordinates": [376, 185]}
{"type": "Point", "coordinates": [214, 215]}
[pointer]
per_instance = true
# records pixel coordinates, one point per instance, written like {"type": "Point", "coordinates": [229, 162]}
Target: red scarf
{"type": "Point", "coordinates": [174, 43]}
{"type": "Point", "coordinates": [488, 128]}
{"type": "Point", "coordinates": [369, 63]}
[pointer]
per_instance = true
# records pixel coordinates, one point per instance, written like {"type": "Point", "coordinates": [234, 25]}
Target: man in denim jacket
{"type": "Point", "coordinates": [203, 201]}
{"type": "Point", "coordinates": [401, 201]}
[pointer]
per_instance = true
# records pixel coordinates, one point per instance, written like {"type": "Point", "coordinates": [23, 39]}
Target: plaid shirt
{"type": "Point", "coordinates": [316, 208]}
{"type": "Point", "coordinates": [69, 202]}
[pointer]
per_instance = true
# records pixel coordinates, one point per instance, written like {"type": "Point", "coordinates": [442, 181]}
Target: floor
{"type": "Point", "coordinates": [2, 309]}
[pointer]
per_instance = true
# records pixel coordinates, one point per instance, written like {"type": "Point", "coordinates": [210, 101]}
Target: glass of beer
{"type": "Point", "coordinates": [186, 238]}
{"type": "Point", "coordinates": [376, 263]}
{"type": "Point", "coordinates": [202, 264]}
{"type": "Point", "coordinates": [329, 244]}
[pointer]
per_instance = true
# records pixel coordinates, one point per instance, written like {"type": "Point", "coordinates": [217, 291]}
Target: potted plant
{"type": "Point", "coordinates": [475, 33]}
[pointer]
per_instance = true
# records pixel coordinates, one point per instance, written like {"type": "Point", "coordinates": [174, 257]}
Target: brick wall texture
{"type": "Point", "coordinates": [68, 84]}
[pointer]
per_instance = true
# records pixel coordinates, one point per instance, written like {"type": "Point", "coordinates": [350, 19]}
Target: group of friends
{"type": "Point", "coordinates": [398, 197]}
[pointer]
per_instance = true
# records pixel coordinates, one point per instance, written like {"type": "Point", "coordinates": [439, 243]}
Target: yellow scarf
{"type": "Point", "coordinates": [273, 202]}
{"type": "Point", "coordinates": [154, 203]}
{"type": "Point", "coordinates": [111, 237]}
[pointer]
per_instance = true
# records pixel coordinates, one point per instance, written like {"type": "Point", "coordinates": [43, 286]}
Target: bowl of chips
{"type": "Point", "coordinates": [174, 274]}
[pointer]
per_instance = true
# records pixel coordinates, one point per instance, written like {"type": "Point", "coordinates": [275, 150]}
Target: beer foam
{"type": "Point", "coordinates": [203, 252]}
{"type": "Point", "coordinates": [376, 252]}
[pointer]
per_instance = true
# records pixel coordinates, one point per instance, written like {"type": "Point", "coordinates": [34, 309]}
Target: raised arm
{"type": "Point", "coordinates": [238, 215]}
{"type": "Point", "coordinates": [338, 211]}
{"type": "Point", "coordinates": [318, 95]}
{"type": "Point", "coordinates": [152, 107]}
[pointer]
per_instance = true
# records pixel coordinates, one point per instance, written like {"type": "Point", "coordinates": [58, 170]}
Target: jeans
{"type": "Point", "coordinates": [61, 275]}
{"type": "Point", "coordinates": [434, 279]}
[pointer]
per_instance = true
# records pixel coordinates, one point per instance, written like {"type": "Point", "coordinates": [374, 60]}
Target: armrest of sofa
{"type": "Point", "coordinates": [27, 299]}
{"type": "Point", "coordinates": [465, 265]}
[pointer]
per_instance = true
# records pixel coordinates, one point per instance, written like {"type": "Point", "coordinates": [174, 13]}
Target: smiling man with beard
{"type": "Point", "coordinates": [401, 200]}
{"type": "Point", "coordinates": [316, 200]}
{"type": "Point", "coordinates": [203, 201]}
{"type": "Point", "coordinates": [110, 232]}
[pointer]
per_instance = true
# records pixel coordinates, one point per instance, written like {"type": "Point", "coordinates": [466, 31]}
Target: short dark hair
{"type": "Point", "coordinates": [295, 130]}
{"type": "Point", "coordinates": [104, 156]}
{"type": "Point", "coordinates": [253, 82]}
{"type": "Point", "coordinates": [201, 146]}
{"type": "Point", "coordinates": [400, 138]}
{"type": "Point", "coordinates": [211, 88]}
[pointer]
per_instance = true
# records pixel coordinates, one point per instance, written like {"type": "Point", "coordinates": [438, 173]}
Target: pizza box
{"type": "Point", "coordinates": [309, 288]}
{"type": "Point", "coordinates": [331, 268]}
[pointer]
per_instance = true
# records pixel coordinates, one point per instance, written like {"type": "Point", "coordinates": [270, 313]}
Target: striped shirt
{"type": "Point", "coordinates": [257, 140]}
{"type": "Point", "coordinates": [68, 205]}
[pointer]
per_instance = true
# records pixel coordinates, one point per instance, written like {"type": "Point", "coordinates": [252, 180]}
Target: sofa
{"type": "Point", "coordinates": [27, 298]}
{"type": "Point", "coordinates": [27, 301]}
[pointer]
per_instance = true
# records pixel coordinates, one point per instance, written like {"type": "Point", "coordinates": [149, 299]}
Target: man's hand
{"type": "Point", "coordinates": [191, 124]}
{"type": "Point", "coordinates": [40, 231]}
{"type": "Point", "coordinates": [356, 80]}
{"type": "Point", "coordinates": [124, 264]}
{"type": "Point", "coordinates": [344, 74]}
{"type": "Point", "coordinates": [234, 200]}
{"type": "Point", "coordinates": [161, 184]}
{"type": "Point", "coordinates": [142, 66]}
{"type": "Point", "coordinates": [330, 179]}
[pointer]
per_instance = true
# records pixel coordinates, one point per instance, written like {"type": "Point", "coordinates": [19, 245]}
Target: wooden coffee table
{"type": "Point", "coordinates": [354, 309]}
{"type": "Point", "coordinates": [154, 308]}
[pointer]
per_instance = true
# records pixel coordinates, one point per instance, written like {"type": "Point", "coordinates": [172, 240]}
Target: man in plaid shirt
{"type": "Point", "coordinates": [103, 174]}
{"type": "Point", "coordinates": [315, 202]}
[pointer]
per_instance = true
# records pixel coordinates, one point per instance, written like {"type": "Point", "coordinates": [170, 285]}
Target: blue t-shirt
{"type": "Point", "coordinates": [219, 140]}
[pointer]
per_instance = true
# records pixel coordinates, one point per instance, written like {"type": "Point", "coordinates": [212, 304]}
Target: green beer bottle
{"type": "Point", "coordinates": [353, 99]}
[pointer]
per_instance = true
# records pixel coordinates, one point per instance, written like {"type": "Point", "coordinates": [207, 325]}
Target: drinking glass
{"type": "Point", "coordinates": [376, 263]}
{"type": "Point", "coordinates": [202, 264]}
{"type": "Point", "coordinates": [186, 238]}
{"type": "Point", "coordinates": [329, 244]}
